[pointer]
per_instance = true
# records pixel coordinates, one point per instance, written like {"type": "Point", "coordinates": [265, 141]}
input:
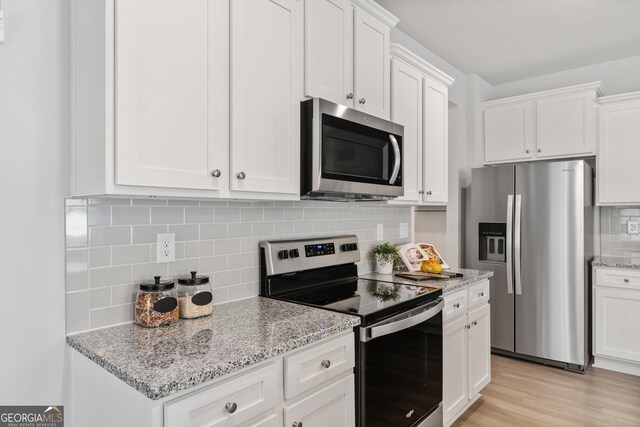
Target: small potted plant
{"type": "Point", "coordinates": [386, 254]}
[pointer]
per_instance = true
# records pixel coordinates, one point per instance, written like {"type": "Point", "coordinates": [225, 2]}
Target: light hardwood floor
{"type": "Point", "coordinates": [527, 394]}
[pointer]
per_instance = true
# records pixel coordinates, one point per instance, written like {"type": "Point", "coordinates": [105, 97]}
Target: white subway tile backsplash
{"type": "Point", "coordinates": [614, 240]}
{"type": "Point", "coordinates": [133, 254]}
{"type": "Point", "coordinates": [216, 238]}
{"type": "Point", "coordinates": [130, 215]}
{"type": "Point", "coordinates": [108, 276]}
{"type": "Point", "coordinates": [100, 257]}
{"type": "Point", "coordinates": [109, 236]}
{"type": "Point", "coordinates": [168, 215]}
{"type": "Point", "coordinates": [147, 233]}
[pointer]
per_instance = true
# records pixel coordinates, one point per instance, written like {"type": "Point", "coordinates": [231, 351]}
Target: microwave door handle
{"type": "Point", "coordinates": [396, 163]}
{"type": "Point", "coordinates": [389, 327]}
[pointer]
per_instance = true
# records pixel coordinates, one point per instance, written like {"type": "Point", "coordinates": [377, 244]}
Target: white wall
{"type": "Point", "coordinates": [34, 164]}
{"type": "Point", "coordinates": [457, 143]}
{"type": "Point", "coordinates": [620, 76]}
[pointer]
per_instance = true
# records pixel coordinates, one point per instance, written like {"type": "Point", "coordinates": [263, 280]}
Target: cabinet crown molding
{"type": "Point", "coordinates": [629, 96]}
{"type": "Point", "coordinates": [404, 54]}
{"type": "Point", "coordinates": [598, 87]}
{"type": "Point", "coordinates": [378, 11]}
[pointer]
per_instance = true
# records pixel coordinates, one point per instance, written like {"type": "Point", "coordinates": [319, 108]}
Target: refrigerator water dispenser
{"type": "Point", "coordinates": [492, 239]}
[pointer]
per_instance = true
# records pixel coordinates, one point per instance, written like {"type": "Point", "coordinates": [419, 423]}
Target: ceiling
{"type": "Point", "coordinates": [507, 40]}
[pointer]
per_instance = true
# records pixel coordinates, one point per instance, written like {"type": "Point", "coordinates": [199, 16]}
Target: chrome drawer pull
{"type": "Point", "coordinates": [231, 407]}
{"type": "Point", "coordinates": [456, 305]}
{"type": "Point", "coordinates": [297, 424]}
{"type": "Point", "coordinates": [626, 280]}
{"type": "Point", "coordinates": [481, 294]}
{"type": "Point", "coordinates": [326, 363]}
{"type": "Point", "coordinates": [474, 323]}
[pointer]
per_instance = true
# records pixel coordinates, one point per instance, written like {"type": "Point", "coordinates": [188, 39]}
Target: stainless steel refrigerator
{"type": "Point", "coordinates": [532, 225]}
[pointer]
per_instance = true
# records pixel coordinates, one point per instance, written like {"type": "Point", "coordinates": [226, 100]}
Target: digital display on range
{"type": "Point", "coordinates": [319, 249]}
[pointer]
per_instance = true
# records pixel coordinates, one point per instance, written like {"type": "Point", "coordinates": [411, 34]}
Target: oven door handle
{"type": "Point", "coordinates": [405, 321]}
{"type": "Point", "coordinates": [397, 159]}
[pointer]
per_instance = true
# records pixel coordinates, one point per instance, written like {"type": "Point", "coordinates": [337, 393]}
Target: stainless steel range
{"type": "Point", "coordinates": [399, 342]}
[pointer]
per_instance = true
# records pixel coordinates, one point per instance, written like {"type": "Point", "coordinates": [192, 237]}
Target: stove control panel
{"type": "Point", "coordinates": [288, 256]}
{"type": "Point", "coordinates": [319, 249]}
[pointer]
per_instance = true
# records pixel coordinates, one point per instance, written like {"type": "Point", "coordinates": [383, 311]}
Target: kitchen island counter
{"type": "Point", "coordinates": [470, 277]}
{"type": "Point", "coordinates": [162, 361]}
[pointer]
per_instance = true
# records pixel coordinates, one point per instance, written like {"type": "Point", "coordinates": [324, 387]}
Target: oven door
{"type": "Point", "coordinates": [355, 153]}
{"type": "Point", "coordinates": [401, 369]}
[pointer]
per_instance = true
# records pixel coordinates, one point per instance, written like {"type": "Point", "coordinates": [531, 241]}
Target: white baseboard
{"type": "Point", "coordinates": [632, 368]}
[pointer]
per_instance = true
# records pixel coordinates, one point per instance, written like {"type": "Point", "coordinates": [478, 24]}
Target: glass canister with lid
{"type": "Point", "coordinates": [194, 296]}
{"type": "Point", "coordinates": [156, 303]}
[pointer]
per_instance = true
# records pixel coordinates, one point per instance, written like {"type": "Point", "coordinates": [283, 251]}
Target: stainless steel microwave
{"type": "Point", "coordinates": [347, 154]}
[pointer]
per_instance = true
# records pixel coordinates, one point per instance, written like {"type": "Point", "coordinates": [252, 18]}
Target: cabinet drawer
{"type": "Point", "coordinates": [333, 406]}
{"type": "Point", "coordinates": [455, 304]}
{"type": "Point", "coordinates": [270, 420]}
{"type": "Point", "coordinates": [309, 368]}
{"type": "Point", "coordinates": [618, 278]}
{"type": "Point", "coordinates": [479, 294]}
{"type": "Point", "coordinates": [253, 393]}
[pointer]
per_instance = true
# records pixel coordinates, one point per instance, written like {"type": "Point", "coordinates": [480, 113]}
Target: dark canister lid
{"type": "Point", "coordinates": [193, 280]}
{"type": "Point", "coordinates": [156, 285]}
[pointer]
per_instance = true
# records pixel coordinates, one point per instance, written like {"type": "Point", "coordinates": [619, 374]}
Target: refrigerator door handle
{"type": "Point", "coordinates": [516, 243]}
{"type": "Point", "coordinates": [509, 244]}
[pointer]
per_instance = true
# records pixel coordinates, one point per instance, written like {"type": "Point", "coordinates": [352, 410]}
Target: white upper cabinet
{"type": "Point", "coordinates": [552, 124]}
{"type": "Point", "coordinates": [372, 79]}
{"type": "Point", "coordinates": [161, 116]}
{"type": "Point", "coordinates": [329, 50]}
{"type": "Point", "coordinates": [266, 90]}
{"type": "Point", "coordinates": [508, 132]}
{"type": "Point", "coordinates": [347, 54]}
{"type": "Point", "coordinates": [436, 142]}
{"type": "Point", "coordinates": [619, 150]}
{"type": "Point", "coordinates": [420, 103]}
{"type": "Point", "coordinates": [406, 109]}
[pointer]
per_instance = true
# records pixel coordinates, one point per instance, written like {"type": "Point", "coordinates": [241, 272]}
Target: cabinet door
{"type": "Point", "coordinates": [406, 109]}
{"type": "Point", "coordinates": [617, 317]}
{"type": "Point", "coordinates": [372, 70]}
{"type": "Point", "coordinates": [565, 125]}
{"type": "Point", "coordinates": [454, 367]}
{"type": "Point", "coordinates": [435, 157]}
{"type": "Point", "coordinates": [266, 90]}
{"type": "Point", "coordinates": [479, 358]}
{"type": "Point", "coordinates": [618, 153]}
{"type": "Point", "coordinates": [162, 135]}
{"type": "Point", "coordinates": [508, 132]}
{"type": "Point", "coordinates": [329, 50]}
{"type": "Point", "coordinates": [333, 406]}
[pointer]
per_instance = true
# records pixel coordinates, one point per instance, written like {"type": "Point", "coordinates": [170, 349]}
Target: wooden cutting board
{"type": "Point", "coordinates": [418, 275]}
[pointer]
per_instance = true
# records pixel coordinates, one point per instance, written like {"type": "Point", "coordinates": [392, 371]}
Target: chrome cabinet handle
{"type": "Point", "coordinates": [474, 323]}
{"type": "Point", "coordinates": [421, 192]}
{"type": "Point", "coordinates": [481, 294]}
{"type": "Point", "coordinates": [350, 95]}
{"type": "Point", "coordinates": [527, 151]}
{"type": "Point", "coordinates": [539, 150]}
{"type": "Point", "coordinates": [215, 173]}
{"type": "Point", "coordinates": [241, 175]}
{"type": "Point", "coordinates": [326, 363]}
{"type": "Point", "coordinates": [297, 424]}
{"type": "Point", "coordinates": [231, 407]}
{"type": "Point", "coordinates": [362, 100]}
{"type": "Point", "coordinates": [429, 193]}
{"type": "Point", "coordinates": [456, 305]}
{"type": "Point", "coordinates": [626, 280]}
{"type": "Point", "coordinates": [467, 326]}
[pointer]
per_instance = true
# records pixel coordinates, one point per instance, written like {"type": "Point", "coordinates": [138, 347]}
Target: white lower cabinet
{"type": "Point", "coordinates": [616, 320]}
{"type": "Point", "coordinates": [466, 351]}
{"type": "Point", "coordinates": [332, 406]}
{"type": "Point", "coordinates": [323, 394]}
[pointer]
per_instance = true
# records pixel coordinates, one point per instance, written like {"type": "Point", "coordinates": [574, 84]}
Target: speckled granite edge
{"type": "Point", "coordinates": [215, 369]}
{"type": "Point", "coordinates": [471, 277]}
{"type": "Point", "coordinates": [616, 262]}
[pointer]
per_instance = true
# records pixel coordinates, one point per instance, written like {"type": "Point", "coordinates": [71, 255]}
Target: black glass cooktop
{"type": "Point", "coordinates": [370, 299]}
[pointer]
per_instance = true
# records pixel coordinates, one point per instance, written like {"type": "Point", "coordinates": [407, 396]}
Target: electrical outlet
{"type": "Point", "coordinates": [632, 227]}
{"type": "Point", "coordinates": [166, 247]}
{"type": "Point", "coordinates": [380, 232]}
{"type": "Point", "coordinates": [404, 230]}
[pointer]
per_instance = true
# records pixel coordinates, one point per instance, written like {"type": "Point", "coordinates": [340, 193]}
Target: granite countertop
{"type": "Point", "coordinates": [617, 262]}
{"type": "Point", "coordinates": [447, 285]}
{"type": "Point", "coordinates": [162, 361]}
